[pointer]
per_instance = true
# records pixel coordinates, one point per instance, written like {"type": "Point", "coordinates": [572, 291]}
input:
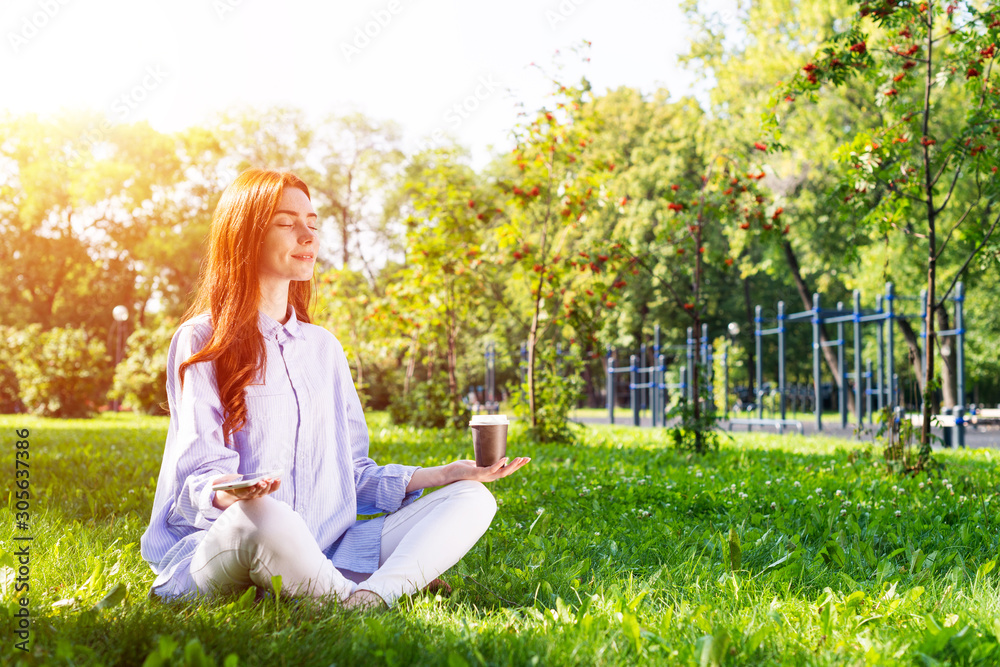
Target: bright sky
{"type": "Point", "coordinates": [176, 62]}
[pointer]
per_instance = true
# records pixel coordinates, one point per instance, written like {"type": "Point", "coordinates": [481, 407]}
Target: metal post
{"type": "Point", "coordinates": [611, 384]}
{"type": "Point", "coordinates": [868, 389]}
{"type": "Point", "coordinates": [890, 362]}
{"type": "Point", "coordinates": [634, 391]}
{"type": "Point", "coordinates": [960, 363]}
{"type": "Point", "coordinates": [879, 358]}
{"type": "Point", "coordinates": [781, 361]}
{"type": "Point", "coordinates": [706, 360]}
{"type": "Point", "coordinates": [817, 367]}
{"type": "Point", "coordinates": [923, 359]}
{"type": "Point", "coordinates": [691, 342]}
{"type": "Point", "coordinates": [760, 366]}
{"type": "Point", "coordinates": [858, 411]}
{"type": "Point", "coordinates": [661, 388]}
{"type": "Point", "coordinates": [725, 372]}
{"type": "Point", "coordinates": [842, 388]}
{"type": "Point", "coordinates": [656, 402]}
{"type": "Point", "coordinates": [683, 382]}
{"type": "Point", "coordinates": [642, 364]}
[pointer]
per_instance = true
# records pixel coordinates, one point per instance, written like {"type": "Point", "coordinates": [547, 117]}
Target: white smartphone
{"type": "Point", "coordinates": [246, 480]}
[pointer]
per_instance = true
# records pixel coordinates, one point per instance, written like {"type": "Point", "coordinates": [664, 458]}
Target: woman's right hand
{"type": "Point", "coordinates": [225, 499]}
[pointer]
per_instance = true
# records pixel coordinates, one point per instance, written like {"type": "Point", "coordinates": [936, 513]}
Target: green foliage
{"type": "Point", "coordinates": [10, 390]}
{"type": "Point", "coordinates": [694, 431]}
{"type": "Point", "coordinates": [60, 372]}
{"type": "Point", "coordinates": [429, 405]}
{"type": "Point", "coordinates": [557, 392]}
{"type": "Point", "coordinates": [141, 378]}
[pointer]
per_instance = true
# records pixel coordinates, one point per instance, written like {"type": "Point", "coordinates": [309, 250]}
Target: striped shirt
{"type": "Point", "coordinates": [305, 419]}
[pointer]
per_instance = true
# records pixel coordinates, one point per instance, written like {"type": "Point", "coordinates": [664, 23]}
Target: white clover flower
{"type": "Point", "coordinates": [774, 506]}
{"type": "Point", "coordinates": [838, 493]}
{"type": "Point", "coordinates": [699, 474]}
{"type": "Point", "coordinates": [898, 514]}
{"type": "Point", "coordinates": [796, 484]}
{"type": "Point", "coordinates": [921, 486]}
{"type": "Point", "coordinates": [819, 491]}
{"type": "Point", "coordinates": [539, 511]}
{"type": "Point", "coordinates": [743, 496]}
{"type": "Point", "coordinates": [641, 482]}
{"type": "Point", "coordinates": [809, 497]}
{"type": "Point", "coordinates": [767, 483]}
{"type": "Point", "coordinates": [519, 525]}
{"type": "Point", "coordinates": [843, 512]}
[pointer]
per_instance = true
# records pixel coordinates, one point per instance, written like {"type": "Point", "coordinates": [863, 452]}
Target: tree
{"type": "Point", "coordinates": [563, 265]}
{"type": "Point", "coordinates": [903, 177]}
{"type": "Point", "coordinates": [823, 243]}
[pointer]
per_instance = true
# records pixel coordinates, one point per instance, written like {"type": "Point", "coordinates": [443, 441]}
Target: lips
{"type": "Point", "coordinates": [303, 256]}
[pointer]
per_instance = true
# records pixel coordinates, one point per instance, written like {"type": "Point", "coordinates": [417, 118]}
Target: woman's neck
{"type": "Point", "coordinates": [274, 300]}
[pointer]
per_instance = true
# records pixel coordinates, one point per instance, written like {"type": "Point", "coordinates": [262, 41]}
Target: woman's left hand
{"type": "Point", "coordinates": [467, 469]}
{"type": "Point", "coordinates": [425, 478]}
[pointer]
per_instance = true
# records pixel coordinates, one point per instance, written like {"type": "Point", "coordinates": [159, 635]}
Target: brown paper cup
{"type": "Point", "coordinates": [489, 441]}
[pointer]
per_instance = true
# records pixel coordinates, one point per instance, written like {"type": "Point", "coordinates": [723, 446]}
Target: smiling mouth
{"type": "Point", "coordinates": [303, 257]}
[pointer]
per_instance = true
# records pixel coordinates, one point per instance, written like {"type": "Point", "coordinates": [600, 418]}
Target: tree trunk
{"type": "Point", "coordinates": [806, 295]}
{"type": "Point", "coordinates": [925, 432]}
{"type": "Point", "coordinates": [910, 336]}
{"type": "Point", "coordinates": [948, 362]}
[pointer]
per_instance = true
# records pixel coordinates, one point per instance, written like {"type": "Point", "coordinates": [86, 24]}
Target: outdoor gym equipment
{"type": "Point", "coordinates": [882, 387]}
{"type": "Point", "coordinates": [651, 380]}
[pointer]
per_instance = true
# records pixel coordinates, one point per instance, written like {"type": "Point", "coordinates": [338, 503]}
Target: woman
{"type": "Point", "coordinates": [253, 386]}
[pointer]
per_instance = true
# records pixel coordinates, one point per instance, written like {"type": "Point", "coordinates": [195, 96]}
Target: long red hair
{"type": "Point", "coordinates": [229, 288]}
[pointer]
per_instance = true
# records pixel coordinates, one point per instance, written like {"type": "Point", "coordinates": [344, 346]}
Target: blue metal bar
{"type": "Point", "coordinates": [781, 362]}
{"type": "Point", "coordinates": [610, 384]}
{"type": "Point", "coordinates": [960, 362]}
{"type": "Point", "coordinates": [760, 365]}
{"type": "Point", "coordinates": [858, 411]}
{"type": "Point", "coordinates": [842, 384]}
{"type": "Point", "coordinates": [817, 322]}
{"type": "Point", "coordinates": [889, 351]}
{"type": "Point", "coordinates": [633, 395]}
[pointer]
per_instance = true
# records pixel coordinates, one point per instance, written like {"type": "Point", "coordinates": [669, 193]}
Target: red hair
{"type": "Point", "coordinates": [229, 289]}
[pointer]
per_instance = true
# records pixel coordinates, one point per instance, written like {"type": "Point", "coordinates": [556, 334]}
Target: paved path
{"type": "Point", "coordinates": [974, 438]}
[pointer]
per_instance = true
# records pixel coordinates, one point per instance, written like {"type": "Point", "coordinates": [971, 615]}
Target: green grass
{"type": "Point", "coordinates": [613, 551]}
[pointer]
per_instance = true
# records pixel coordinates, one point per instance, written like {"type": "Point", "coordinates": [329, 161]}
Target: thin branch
{"type": "Point", "coordinates": [951, 188]}
{"type": "Point", "coordinates": [968, 260]}
{"type": "Point", "coordinates": [944, 244]}
{"type": "Point", "coordinates": [954, 30]}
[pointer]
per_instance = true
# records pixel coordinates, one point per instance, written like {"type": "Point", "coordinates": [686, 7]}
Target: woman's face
{"type": "Point", "coordinates": [290, 242]}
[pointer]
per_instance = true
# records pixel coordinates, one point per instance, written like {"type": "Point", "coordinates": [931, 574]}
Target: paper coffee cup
{"type": "Point", "coordinates": [489, 438]}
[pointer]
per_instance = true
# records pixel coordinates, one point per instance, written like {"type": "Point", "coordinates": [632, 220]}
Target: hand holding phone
{"type": "Point", "coordinates": [244, 481]}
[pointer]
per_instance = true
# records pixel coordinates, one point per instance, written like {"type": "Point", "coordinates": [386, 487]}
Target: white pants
{"type": "Point", "coordinates": [254, 540]}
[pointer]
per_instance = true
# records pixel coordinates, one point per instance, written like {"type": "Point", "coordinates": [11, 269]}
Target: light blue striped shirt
{"type": "Point", "coordinates": [305, 419]}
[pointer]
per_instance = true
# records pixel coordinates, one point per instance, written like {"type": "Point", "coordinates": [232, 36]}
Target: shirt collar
{"type": "Point", "coordinates": [271, 328]}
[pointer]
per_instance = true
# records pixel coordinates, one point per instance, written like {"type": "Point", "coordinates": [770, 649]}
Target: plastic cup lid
{"type": "Point", "coordinates": [488, 420]}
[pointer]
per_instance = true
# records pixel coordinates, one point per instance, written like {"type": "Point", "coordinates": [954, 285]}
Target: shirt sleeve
{"type": "Point", "coordinates": [197, 453]}
{"type": "Point", "coordinates": [378, 488]}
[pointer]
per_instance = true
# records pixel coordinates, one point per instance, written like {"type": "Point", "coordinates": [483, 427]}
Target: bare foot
{"type": "Point", "coordinates": [364, 599]}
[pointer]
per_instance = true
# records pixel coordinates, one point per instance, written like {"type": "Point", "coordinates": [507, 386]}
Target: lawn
{"type": "Point", "coordinates": [614, 551]}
